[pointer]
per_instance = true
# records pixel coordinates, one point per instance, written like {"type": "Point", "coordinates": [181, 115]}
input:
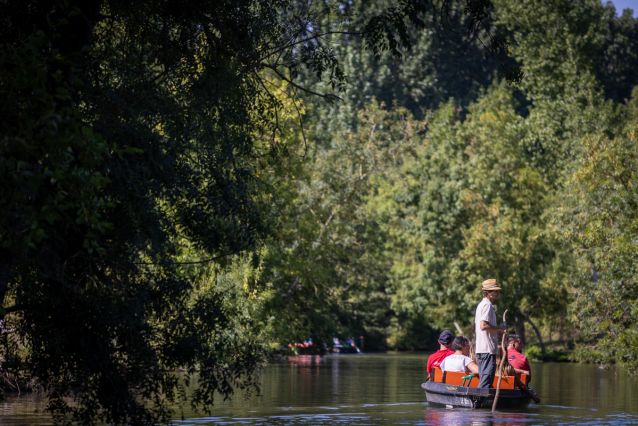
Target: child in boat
{"type": "Point", "coordinates": [516, 359]}
{"type": "Point", "coordinates": [460, 360]}
{"type": "Point", "coordinates": [445, 341]}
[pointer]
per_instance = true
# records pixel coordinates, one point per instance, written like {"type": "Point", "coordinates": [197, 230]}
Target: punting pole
{"type": "Point", "coordinates": [501, 366]}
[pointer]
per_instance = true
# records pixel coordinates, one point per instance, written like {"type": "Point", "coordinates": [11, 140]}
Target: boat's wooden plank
{"type": "Point", "coordinates": [456, 379]}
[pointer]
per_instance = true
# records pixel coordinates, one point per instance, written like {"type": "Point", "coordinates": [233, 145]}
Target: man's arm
{"type": "Point", "coordinates": [486, 326]}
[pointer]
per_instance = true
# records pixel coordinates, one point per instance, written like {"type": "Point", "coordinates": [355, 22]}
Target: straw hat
{"type": "Point", "coordinates": [490, 285]}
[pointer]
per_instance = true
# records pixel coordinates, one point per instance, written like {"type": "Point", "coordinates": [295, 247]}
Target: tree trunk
{"type": "Point", "coordinates": [520, 328]}
{"type": "Point", "coordinates": [538, 333]}
{"type": "Point", "coordinates": [5, 275]}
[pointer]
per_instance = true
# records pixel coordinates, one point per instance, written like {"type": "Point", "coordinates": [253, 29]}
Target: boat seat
{"type": "Point", "coordinates": [456, 379]}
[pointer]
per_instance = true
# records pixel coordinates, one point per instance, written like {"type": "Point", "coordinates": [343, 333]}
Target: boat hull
{"type": "Point", "coordinates": [446, 395]}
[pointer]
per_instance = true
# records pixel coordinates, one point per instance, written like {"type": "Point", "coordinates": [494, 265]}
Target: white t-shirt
{"type": "Point", "coordinates": [486, 342]}
{"type": "Point", "coordinates": [456, 362]}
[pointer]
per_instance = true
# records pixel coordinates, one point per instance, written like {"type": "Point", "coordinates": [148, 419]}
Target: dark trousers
{"type": "Point", "coordinates": [487, 369]}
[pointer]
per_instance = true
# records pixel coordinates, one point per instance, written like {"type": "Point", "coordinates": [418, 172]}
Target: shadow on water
{"type": "Point", "coordinates": [370, 389]}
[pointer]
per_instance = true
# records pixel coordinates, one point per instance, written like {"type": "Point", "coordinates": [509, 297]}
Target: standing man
{"type": "Point", "coordinates": [487, 332]}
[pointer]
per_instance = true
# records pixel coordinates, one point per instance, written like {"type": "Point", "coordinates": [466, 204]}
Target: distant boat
{"type": "Point", "coordinates": [452, 389]}
{"type": "Point", "coordinates": [307, 347]}
{"type": "Point", "coordinates": [347, 347]}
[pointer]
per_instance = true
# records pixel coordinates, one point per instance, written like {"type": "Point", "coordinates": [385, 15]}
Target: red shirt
{"type": "Point", "coordinates": [517, 359]}
{"type": "Point", "coordinates": [437, 358]}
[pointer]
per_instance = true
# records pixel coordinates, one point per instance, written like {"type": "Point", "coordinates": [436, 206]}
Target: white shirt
{"type": "Point", "coordinates": [486, 342]}
{"type": "Point", "coordinates": [455, 362]}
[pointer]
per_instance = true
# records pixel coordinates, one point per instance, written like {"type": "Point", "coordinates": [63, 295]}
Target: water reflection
{"type": "Point", "coordinates": [306, 360]}
{"type": "Point", "coordinates": [442, 416]}
{"type": "Point", "coordinates": [28, 409]}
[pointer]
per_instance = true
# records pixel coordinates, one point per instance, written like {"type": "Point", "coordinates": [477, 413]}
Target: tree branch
{"type": "Point", "coordinates": [304, 40]}
{"type": "Point", "coordinates": [328, 96]}
{"type": "Point", "coordinates": [193, 262]}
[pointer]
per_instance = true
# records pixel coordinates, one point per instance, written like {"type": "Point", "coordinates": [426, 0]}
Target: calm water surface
{"type": "Point", "coordinates": [385, 389]}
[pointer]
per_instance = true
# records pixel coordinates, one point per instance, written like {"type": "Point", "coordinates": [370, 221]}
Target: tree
{"type": "Point", "coordinates": [471, 209]}
{"type": "Point", "coordinates": [327, 266]}
{"type": "Point", "coordinates": [115, 144]}
{"type": "Point", "coordinates": [599, 219]}
{"type": "Point", "coordinates": [505, 199]}
{"type": "Point", "coordinates": [615, 70]}
{"type": "Point", "coordinates": [131, 135]}
{"type": "Point", "coordinates": [458, 52]}
{"type": "Point", "coordinates": [566, 55]}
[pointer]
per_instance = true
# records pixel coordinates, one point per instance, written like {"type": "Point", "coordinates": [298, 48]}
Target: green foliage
{"type": "Point", "coordinates": [555, 42]}
{"type": "Point", "coordinates": [178, 192]}
{"type": "Point", "coordinates": [114, 143]}
{"type": "Point", "coordinates": [534, 352]}
{"type": "Point", "coordinates": [327, 269]}
{"type": "Point", "coordinates": [133, 143]}
{"type": "Point", "coordinates": [620, 55]}
{"type": "Point", "coordinates": [454, 56]}
{"type": "Point", "coordinates": [140, 140]}
{"type": "Point", "coordinates": [473, 210]}
{"type": "Point", "coordinates": [475, 192]}
{"type": "Point", "coordinates": [600, 219]}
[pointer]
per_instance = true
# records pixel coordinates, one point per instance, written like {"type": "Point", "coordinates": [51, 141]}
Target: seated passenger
{"type": "Point", "coordinates": [460, 360]}
{"type": "Point", "coordinates": [516, 358]}
{"type": "Point", "coordinates": [434, 360]}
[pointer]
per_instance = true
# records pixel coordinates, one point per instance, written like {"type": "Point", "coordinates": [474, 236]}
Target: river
{"type": "Point", "coordinates": [369, 389]}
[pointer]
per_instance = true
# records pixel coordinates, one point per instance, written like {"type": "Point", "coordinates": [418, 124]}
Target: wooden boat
{"type": "Point", "coordinates": [452, 389]}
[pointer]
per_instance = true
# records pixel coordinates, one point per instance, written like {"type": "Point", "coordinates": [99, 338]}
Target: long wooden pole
{"type": "Point", "coordinates": [501, 366]}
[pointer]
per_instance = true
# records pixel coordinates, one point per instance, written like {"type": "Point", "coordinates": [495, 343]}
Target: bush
{"type": "Point", "coordinates": [535, 353]}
